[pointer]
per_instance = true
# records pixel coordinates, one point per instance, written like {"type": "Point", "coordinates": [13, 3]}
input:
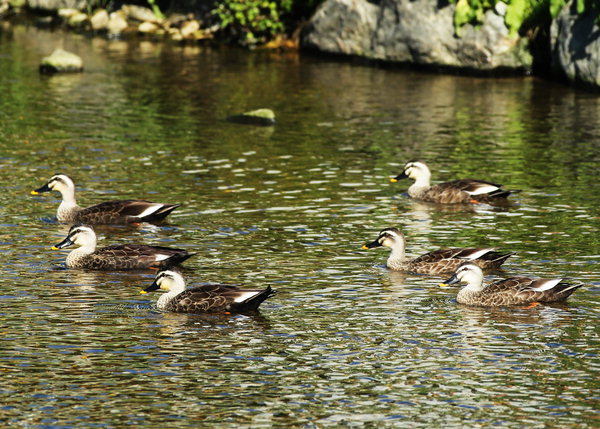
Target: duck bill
{"type": "Point", "coordinates": [41, 189]}
{"type": "Point", "coordinates": [399, 177]}
{"type": "Point", "coordinates": [371, 245]}
{"type": "Point", "coordinates": [452, 280]}
{"type": "Point", "coordinates": [154, 286]}
{"type": "Point", "coordinates": [65, 243]}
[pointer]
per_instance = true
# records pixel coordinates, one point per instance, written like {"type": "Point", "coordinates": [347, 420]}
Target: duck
{"type": "Point", "coordinates": [109, 212]}
{"type": "Point", "coordinates": [442, 261]}
{"type": "Point", "coordinates": [116, 257]}
{"type": "Point", "coordinates": [464, 191]}
{"type": "Point", "coordinates": [211, 298]}
{"type": "Point", "coordinates": [512, 291]}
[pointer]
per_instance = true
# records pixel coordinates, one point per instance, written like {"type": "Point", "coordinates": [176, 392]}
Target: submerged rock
{"type": "Point", "coordinates": [575, 46]}
{"type": "Point", "coordinates": [263, 117]}
{"type": "Point", "coordinates": [414, 31]}
{"type": "Point", "coordinates": [61, 61]}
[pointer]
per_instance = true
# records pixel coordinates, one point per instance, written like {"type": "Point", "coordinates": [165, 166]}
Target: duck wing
{"type": "Point", "coordinates": [460, 254]}
{"type": "Point", "coordinates": [125, 211]}
{"type": "Point", "coordinates": [448, 260]}
{"type": "Point", "coordinates": [525, 290]}
{"type": "Point", "coordinates": [466, 191]}
{"type": "Point", "coordinates": [138, 256]}
{"type": "Point", "coordinates": [218, 298]}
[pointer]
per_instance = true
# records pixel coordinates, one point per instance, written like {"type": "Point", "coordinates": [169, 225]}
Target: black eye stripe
{"type": "Point", "coordinates": [163, 275]}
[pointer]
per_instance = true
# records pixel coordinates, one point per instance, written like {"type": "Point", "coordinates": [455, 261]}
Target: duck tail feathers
{"type": "Point", "coordinates": [160, 214]}
{"type": "Point", "coordinates": [252, 303]}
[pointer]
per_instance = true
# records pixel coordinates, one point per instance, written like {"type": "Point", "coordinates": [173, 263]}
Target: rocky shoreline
{"type": "Point", "coordinates": [415, 32]}
{"type": "Point", "coordinates": [129, 19]}
{"type": "Point", "coordinates": [422, 32]}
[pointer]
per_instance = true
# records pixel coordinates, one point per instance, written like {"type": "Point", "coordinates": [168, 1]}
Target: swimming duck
{"type": "Point", "coordinates": [213, 298]}
{"type": "Point", "coordinates": [463, 191]}
{"type": "Point", "coordinates": [513, 291]}
{"type": "Point", "coordinates": [117, 257]}
{"type": "Point", "coordinates": [440, 261]}
{"type": "Point", "coordinates": [109, 212]}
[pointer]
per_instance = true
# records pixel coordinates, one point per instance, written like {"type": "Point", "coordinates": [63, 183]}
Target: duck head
{"type": "Point", "coordinates": [59, 182]}
{"type": "Point", "coordinates": [388, 237]}
{"type": "Point", "coordinates": [415, 170]}
{"type": "Point", "coordinates": [467, 272]}
{"type": "Point", "coordinates": [168, 280]}
{"type": "Point", "coordinates": [81, 235]}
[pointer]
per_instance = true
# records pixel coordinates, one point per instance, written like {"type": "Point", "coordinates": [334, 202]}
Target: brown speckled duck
{"type": "Point", "coordinates": [118, 257]}
{"type": "Point", "coordinates": [513, 291]}
{"type": "Point", "coordinates": [109, 212]}
{"type": "Point", "coordinates": [442, 261]}
{"type": "Point", "coordinates": [465, 191]}
{"type": "Point", "coordinates": [213, 298]}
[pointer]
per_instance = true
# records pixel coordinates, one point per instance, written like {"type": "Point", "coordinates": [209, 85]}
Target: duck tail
{"type": "Point", "coordinates": [496, 258]}
{"type": "Point", "coordinates": [503, 193]}
{"type": "Point", "coordinates": [252, 303]}
{"type": "Point", "coordinates": [175, 259]}
{"type": "Point", "coordinates": [564, 289]}
{"type": "Point", "coordinates": [160, 214]}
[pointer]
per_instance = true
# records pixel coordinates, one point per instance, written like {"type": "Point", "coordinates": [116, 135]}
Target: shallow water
{"type": "Point", "coordinates": [345, 342]}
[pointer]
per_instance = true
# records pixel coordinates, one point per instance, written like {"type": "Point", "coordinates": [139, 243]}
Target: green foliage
{"type": "Point", "coordinates": [155, 9]}
{"type": "Point", "coordinates": [252, 21]}
{"type": "Point", "coordinates": [519, 13]}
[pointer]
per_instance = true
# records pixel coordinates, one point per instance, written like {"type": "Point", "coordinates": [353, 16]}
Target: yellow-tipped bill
{"type": "Point", "coordinates": [364, 247]}
{"type": "Point", "coordinates": [55, 248]}
{"type": "Point", "coordinates": [35, 193]}
{"type": "Point", "coordinates": [143, 292]}
{"type": "Point", "coordinates": [393, 180]}
{"type": "Point", "coordinates": [443, 284]}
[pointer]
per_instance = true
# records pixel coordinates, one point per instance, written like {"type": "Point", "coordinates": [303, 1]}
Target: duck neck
{"type": "Point", "coordinates": [471, 290]}
{"type": "Point", "coordinates": [80, 252]}
{"type": "Point", "coordinates": [165, 299]}
{"type": "Point", "coordinates": [422, 183]}
{"type": "Point", "coordinates": [175, 288]}
{"type": "Point", "coordinates": [397, 257]}
{"type": "Point", "coordinates": [67, 206]}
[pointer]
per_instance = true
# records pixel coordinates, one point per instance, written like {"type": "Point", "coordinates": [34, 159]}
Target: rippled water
{"type": "Point", "coordinates": [345, 342]}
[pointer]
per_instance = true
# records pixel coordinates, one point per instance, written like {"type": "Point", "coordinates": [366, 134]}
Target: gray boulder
{"type": "Point", "coordinates": [414, 31]}
{"type": "Point", "coordinates": [575, 44]}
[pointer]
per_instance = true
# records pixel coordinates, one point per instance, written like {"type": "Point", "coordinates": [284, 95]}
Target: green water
{"type": "Point", "coordinates": [345, 342]}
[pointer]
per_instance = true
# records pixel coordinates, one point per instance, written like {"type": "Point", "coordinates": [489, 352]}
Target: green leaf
{"type": "Point", "coordinates": [555, 7]}
{"type": "Point", "coordinates": [462, 14]}
{"type": "Point", "coordinates": [516, 12]}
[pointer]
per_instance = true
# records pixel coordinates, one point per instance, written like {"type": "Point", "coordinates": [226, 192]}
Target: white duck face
{"type": "Point", "coordinates": [168, 280]}
{"type": "Point", "coordinates": [417, 170]}
{"type": "Point", "coordinates": [467, 273]}
{"type": "Point", "coordinates": [82, 235]}
{"type": "Point", "coordinates": [391, 237]}
{"type": "Point", "coordinates": [60, 183]}
{"type": "Point", "coordinates": [388, 237]}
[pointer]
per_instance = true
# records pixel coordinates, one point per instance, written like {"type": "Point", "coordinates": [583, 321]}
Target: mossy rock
{"type": "Point", "coordinates": [264, 117]}
{"type": "Point", "coordinates": [61, 61]}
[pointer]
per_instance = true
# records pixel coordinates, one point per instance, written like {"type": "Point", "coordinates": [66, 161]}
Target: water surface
{"type": "Point", "coordinates": [345, 342]}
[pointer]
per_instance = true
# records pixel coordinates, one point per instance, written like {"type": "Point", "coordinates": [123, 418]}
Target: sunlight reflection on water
{"type": "Point", "coordinates": [345, 341]}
